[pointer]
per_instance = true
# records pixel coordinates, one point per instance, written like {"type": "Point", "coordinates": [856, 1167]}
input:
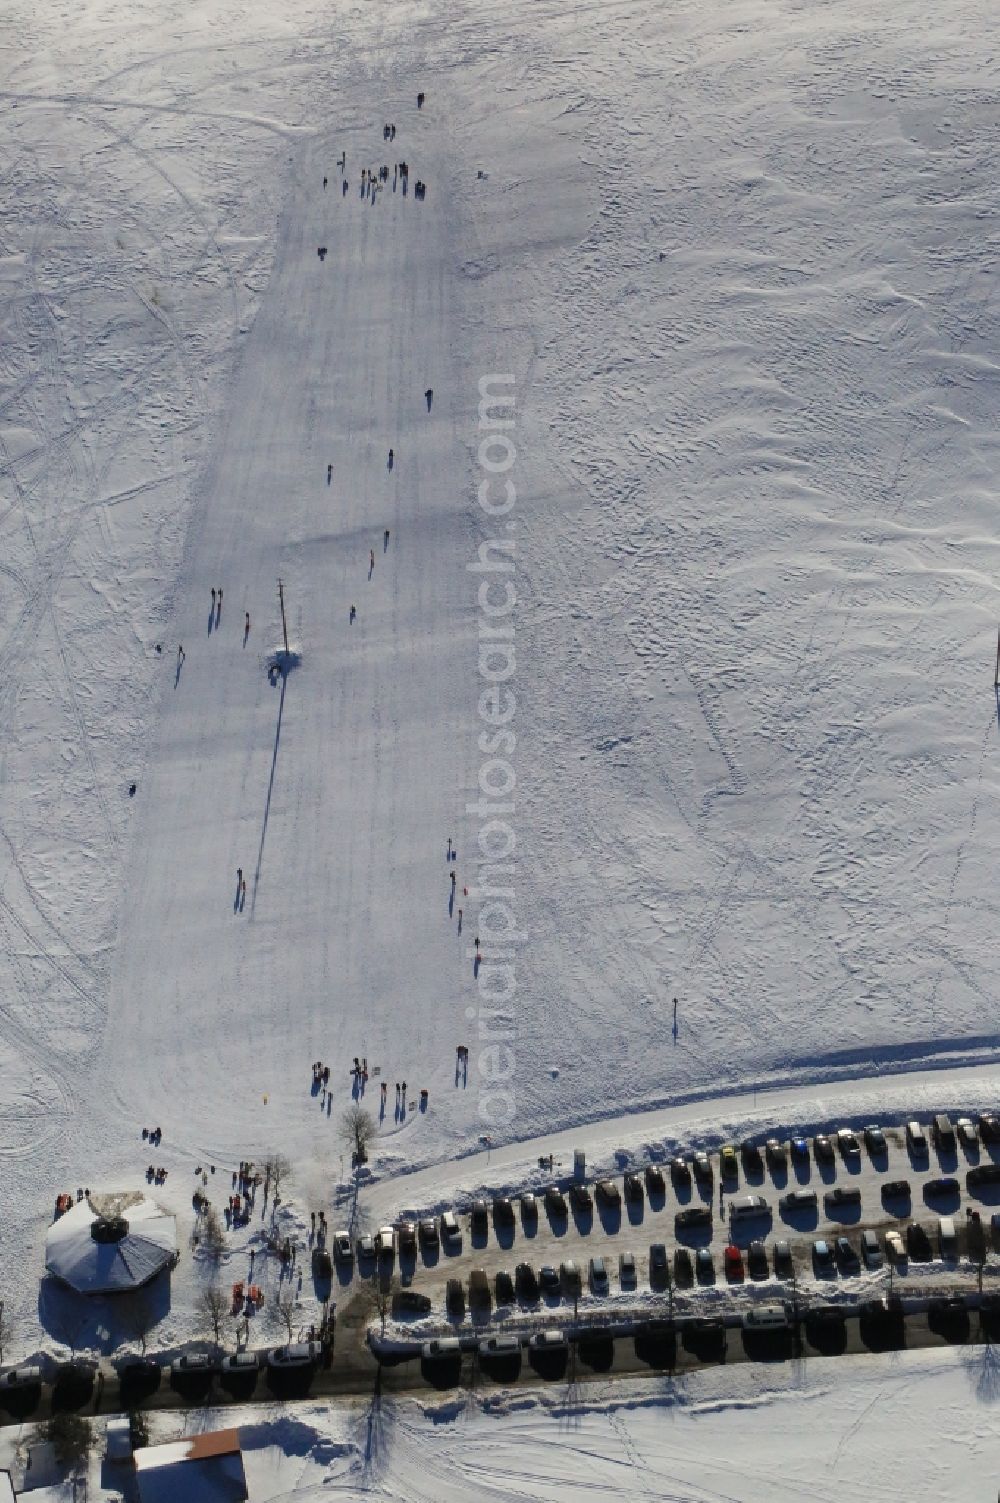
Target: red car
{"type": "Point", "coordinates": [734, 1264]}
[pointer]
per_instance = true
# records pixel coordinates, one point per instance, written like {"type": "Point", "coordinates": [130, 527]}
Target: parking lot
{"type": "Point", "coordinates": [655, 1213]}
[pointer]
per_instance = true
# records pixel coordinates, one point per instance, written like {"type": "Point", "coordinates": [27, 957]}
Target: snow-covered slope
{"type": "Point", "coordinates": [737, 260]}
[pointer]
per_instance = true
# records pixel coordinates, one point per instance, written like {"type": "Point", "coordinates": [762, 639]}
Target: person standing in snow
{"type": "Point", "coordinates": [385, 540]}
{"type": "Point", "coordinates": [324, 185]}
{"type": "Point", "coordinates": [329, 473]}
{"type": "Point", "coordinates": [213, 599]}
{"type": "Point", "coordinates": [371, 562]}
{"type": "Point", "coordinates": [390, 459]}
{"type": "Point", "coordinates": [246, 629]}
{"type": "Point", "coordinates": [353, 614]}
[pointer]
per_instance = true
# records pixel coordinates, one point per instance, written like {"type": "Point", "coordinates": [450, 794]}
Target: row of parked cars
{"type": "Point", "coordinates": [300, 1356]}
{"type": "Point", "coordinates": [699, 1169]}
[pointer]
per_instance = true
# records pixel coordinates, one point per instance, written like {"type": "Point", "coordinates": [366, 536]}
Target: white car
{"type": "Point", "coordinates": [548, 1341]}
{"type": "Point", "coordinates": [967, 1135]}
{"type": "Point", "coordinates": [297, 1354]}
{"type": "Point", "coordinates": [386, 1241]}
{"type": "Point", "coordinates": [451, 1232]}
{"type": "Point", "coordinates": [241, 1362]}
{"type": "Point", "coordinates": [21, 1377]}
{"type": "Point", "coordinates": [894, 1248]}
{"type": "Point", "coordinates": [343, 1252]}
{"type": "Point", "coordinates": [441, 1349]}
{"type": "Point", "coordinates": [366, 1247]}
{"type": "Point", "coordinates": [626, 1270]}
{"type": "Point", "coordinates": [194, 1362]}
{"type": "Point", "coordinates": [499, 1346]}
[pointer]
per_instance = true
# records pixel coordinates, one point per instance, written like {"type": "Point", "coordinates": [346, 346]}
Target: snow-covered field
{"type": "Point", "coordinates": [859, 1428]}
{"type": "Point", "coordinates": [737, 260]}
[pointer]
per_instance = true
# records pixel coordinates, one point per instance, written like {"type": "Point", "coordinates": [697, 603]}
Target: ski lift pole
{"type": "Point", "coordinates": [284, 625]}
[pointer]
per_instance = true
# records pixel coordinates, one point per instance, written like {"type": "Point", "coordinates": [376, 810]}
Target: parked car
{"type": "Point", "coordinates": [427, 1232]}
{"type": "Point", "coordinates": [343, 1252]}
{"type": "Point", "coordinates": [766, 1318]}
{"type": "Point", "coordinates": [239, 1363]}
{"type": "Point", "coordinates": [916, 1139]}
{"type": "Point", "coordinates": [569, 1275]}
{"type": "Point", "coordinates": [798, 1200]}
{"type": "Point", "coordinates": [627, 1277]}
{"type": "Point", "coordinates": [451, 1232]}
{"type": "Point", "coordinates": [410, 1302]}
{"type": "Point", "coordinates": [503, 1344]}
{"type": "Point", "coordinates": [966, 1130]}
{"type": "Point", "coordinates": [454, 1298]}
{"type": "Point", "coordinates": [529, 1207]}
{"type": "Point", "coordinates": [503, 1212]}
{"type": "Point", "coordinates": [800, 1151]}
{"type": "Point", "coordinates": [728, 1163]}
{"type": "Point", "coordinates": [297, 1354]}
{"type": "Point", "coordinates": [702, 1166]}
{"type": "Point", "coordinates": [870, 1250]}
{"type": "Point", "coordinates": [846, 1256]}
{"type": "Point", "coordinates": [526, 1283]}
{"type": "Point", "coordinates": [442, 1349]}
{"type": "Point", "coordinates": [548, 1341]}
{"type": "Point", "coordinates": [581, 1198]}
{"type": "Point", "coordinates": [823, 1149]}
{"type": "Point", "coordinates": [989, 1128]}
{"type": "Point", "coordinates": [366, 1247]}
{"type": "Point", "coordinates": [654, 1180]}
{"type": "Point", "coordinates": [693, 1216]}
{"type": "Point", "coordinates": [757, 1264]}
{"type": "Point", "coordinates": [944, 1187]}
{"type": "Point", "coordinates": [633, 1187]}
{"type": "Point", "coordinates": [748, 1208]}
{"type": "Point", "coordinates": [784, 1268]}
{"type": "Point", "coordinates": [503, 1286]}
{"type": "Point", "coordinates": [843, 1195]}
{"type": "Point", "coordinates": [918, 1244]}
{"type": "Point", "coordinates": [704, 1266]}
{"type": "Point", "coordinates": [683, 1266]}
{"type": "Point", "coordinates": [548, 1279]}
{"type": "Point", "coordinates": [875, 1141]}
{"type": "Point", "coordinates": [777, 1154]}
{"type": "Point", "coordinates": [822, 1255]}
{"type": "Point", "coordinates": [479, 1289]}
{"type": "Point", "coordinates": [733, 1262]}
{"type": "Point", "coordinates": [942, 1133]}
{"type": "Point", "coordinates": [658, 1265]}
{"type": "Point", "coordinates": [598, 1277]}
{"type": "Point", "coordinates": [895, 1189]}
{"type": "Point", "coordinates": [385, 1241]}
{"type": "Point", "coordinates": [407, 1236]}
{"type": "Point", "coordinates": [17, 1379]}
{"type": "Point", "coordinates": [479, 1218]}
{"type": "Point", "coordinates": [947, 1238]}
{"type": "Point", "coordinates": [608, 1193]}
{"type": "Point", "coordinates": [895, 1250]}
{"type": "Point", "coordinates": [850, 1149]}
{"type": "Point", "coordinates": [555, 1201]}
{"type": "Point", "coordinates": [753, 1161]}
{"type": "Point", "coordinates": [680, 1171]}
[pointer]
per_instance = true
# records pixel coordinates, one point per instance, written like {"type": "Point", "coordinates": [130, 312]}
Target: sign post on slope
{"type": "Point", "coordinates": [284, 623]}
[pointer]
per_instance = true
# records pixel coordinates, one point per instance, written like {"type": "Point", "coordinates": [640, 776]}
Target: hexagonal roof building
{"type": "Point", "coordinates": [108, 1244]}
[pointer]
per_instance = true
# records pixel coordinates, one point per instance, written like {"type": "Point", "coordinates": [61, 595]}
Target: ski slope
{"type": "Point", "coordinates": [737, 260]}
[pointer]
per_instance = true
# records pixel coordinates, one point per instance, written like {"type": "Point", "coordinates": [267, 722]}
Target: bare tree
{"type": "Point", "coordinates": [70, 1438]}
{"type": "Point", "coordinates": [212, 1234]}
{"type": "Point", "coordinates": [6, 1327]}
{"type": "Point", "coordinates": [286, 1309]}
{"type": "Point", "coordinates": [137, 1316]}
{"type": "Point", "coordinates": [358, 1131]}
{"type": "Point", "coordinates": [214, 1305]}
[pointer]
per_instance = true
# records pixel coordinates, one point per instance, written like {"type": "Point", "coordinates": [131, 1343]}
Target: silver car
{"type": "Point", "coordinates": [297, 1354]}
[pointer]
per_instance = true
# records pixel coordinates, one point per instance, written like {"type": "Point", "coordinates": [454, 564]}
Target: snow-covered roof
{"type": "Point", "coordinates": [198, 1468]}
{"type": "Point", "coordinates": [106, 1244]}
